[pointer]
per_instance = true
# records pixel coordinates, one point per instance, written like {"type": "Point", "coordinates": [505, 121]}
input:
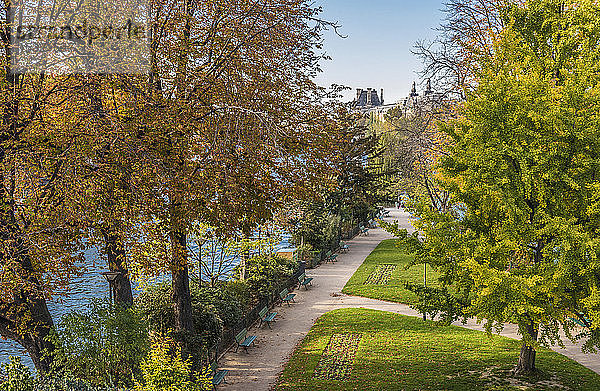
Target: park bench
{"type": "Point", "coordinates": [304, 281]}
{"type": "Point", "coordinates": [581, 323]}
{"type": "Point", "coordinates": [364, 231]}
{"type": "Point", "coordinates": [266, 317]}
{"type": "Point", "coordinates": [243, 340]}
{"type": "Point", "coordinates": [344, 247]}
{"type": "Point", "coordinates": [286, 296]}
{"type": "Point", "coordinates": [330, 257]}
{"type": "Point", "coordinates": [218, 375]}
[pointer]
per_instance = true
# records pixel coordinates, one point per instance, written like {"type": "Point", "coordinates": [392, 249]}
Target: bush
{"type": "Point", "coordinates": [103, 346]}
{"type": "Point", "coordinates": [15, 376]}
{"type": "Point", "coordinates": [267, 272]}
{"type": "Point", "coordinates": [228, 307]}
{"type": "Point", "coordinates": [66, 382]}
{"type": "Point", "coordinates": [211, 308]}
{"type": "Point", "coordinates": [310, 228]}
{"type": "Point", "coordinates": [165, 370]}
{"type": "Point", "coordinates": [240, 290]}
{"type": "Point", "coordinates": [331, 231]}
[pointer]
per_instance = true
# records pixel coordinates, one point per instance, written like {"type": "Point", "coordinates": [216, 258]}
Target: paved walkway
{"type": "Point", "coordinates": [259, 370]}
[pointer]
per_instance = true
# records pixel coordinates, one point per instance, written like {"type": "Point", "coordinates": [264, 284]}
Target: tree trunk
{"type": "Point", "coordinates": [526, 362]}
{"type": "Point", "coordinates": [115, 251]}
{"type": "Point", "coordinates": [182, 300]}
{"type": "Point", "coordinates": [245, 253]}
{"type": "Point", "coordinates": [35, 341]}
{"type": "Point", "coordinates": [26, 319]}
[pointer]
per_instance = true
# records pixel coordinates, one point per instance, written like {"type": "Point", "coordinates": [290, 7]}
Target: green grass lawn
{"type": "Point", "coordinates": [398, 352]}
{"type": "Point", "coordinates": [387, 253]}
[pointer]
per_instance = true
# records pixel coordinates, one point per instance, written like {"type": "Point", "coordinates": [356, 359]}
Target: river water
{"type": "Point", "coordinates": [82, 290]}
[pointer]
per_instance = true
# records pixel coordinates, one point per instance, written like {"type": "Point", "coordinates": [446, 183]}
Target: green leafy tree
{"type": "Point", "coordinates": [520, 240]}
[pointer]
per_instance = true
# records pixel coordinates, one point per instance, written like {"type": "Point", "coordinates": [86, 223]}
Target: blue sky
{"type": "Point", "coordinates": [377, 52]}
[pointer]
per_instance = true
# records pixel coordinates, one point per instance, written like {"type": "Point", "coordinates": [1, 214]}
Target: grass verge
{"type": "Point", "coordinates": [387, 254]}
{"type": "Point", "coordinates": [404, 353]}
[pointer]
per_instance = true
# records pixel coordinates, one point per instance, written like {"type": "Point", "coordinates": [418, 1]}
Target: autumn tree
{"type": "Point", "coordinates": [109, 162]}
{"type": "Point", "coordinates": [229, 121]}
{"type": "Point", "coordinates": [38, 234]}
{"type": "Point", "coordinates": [520, 241]}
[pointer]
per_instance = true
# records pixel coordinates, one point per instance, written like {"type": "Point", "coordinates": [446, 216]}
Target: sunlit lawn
{"type": "Point", "coordinates": [394, 290]}
{"type": "Point", "coordinates": [404, 353]}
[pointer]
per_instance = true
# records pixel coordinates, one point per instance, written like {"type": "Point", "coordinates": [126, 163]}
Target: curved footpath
{"type": "Point", "coordinates": [259, 369]}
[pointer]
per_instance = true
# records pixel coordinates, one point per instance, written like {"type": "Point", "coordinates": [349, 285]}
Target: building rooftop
{"type": "Point", "coordinates": [368, 98]}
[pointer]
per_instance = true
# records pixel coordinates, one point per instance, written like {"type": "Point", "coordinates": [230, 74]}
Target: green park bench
{"type": "Point", "coordinates": [243, 340]}
{"type": "Point", "coordinates": [218, 375]}
{"type": "Point", "coordinates": [304, 281]}
{"type": "Point", "coordinates": [344, 247]}
{"type": "Point", "coordinates": [286, 296]}
{"type": "Point", "coordinates": [581, 323]}
{"type": "Point", "coordinates": [266, 317]}
{"type": "Point", "coordinates": [330, 257]}
{"type": "Point", "coordinates": [364, 231]}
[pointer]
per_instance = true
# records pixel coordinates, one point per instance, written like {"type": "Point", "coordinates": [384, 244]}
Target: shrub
{"type": "Point", "coordinates": [67, 382]}
{"type": "Point", "coordinates": [267, 272]}
{"type": "Point", "coordinates": [103, 346]}
{"type": "Point", "coordinates": [211, 308]}
{"type": "Point", "coordinates": [15, 376]}
{"type": "Point", "coordinates": [165, 370]}
{"type": "Point", "coordinates": [310, 228]}
{"type": "Point", "coordinates": [331, 231]}
{"type": "Point", "coordinates": [228, 307]}
{"type": "Point", "coordinates": [240, 290]}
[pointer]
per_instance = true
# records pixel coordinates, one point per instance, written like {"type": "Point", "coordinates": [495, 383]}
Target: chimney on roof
{"type": "Point", "coordinates": [382, 96]}
{"type": "Point", "coordinates": [369, 96]}
{"type": "Point", "coordinates": [358, 94]}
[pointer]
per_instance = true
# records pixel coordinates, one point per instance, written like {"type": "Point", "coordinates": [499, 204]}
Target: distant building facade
{"type": "Point", "coordinates": [414, 101]}
{"type": "Point", "coordinates": [370, 102]}
{"type": "Point", "coordinates": [368, 98]}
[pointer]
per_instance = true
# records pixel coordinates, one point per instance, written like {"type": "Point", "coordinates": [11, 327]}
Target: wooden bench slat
{"type": "Point", "coordinates": [219, 377]}
{"type": "Point", "coordinates": [270, 317]}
